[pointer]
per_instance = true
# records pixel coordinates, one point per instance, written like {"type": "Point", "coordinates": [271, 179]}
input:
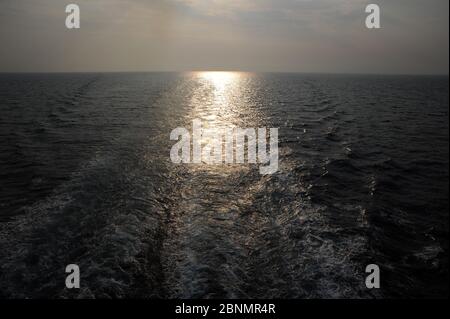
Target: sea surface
{"type": "Point", "coordinates": [86, 178]}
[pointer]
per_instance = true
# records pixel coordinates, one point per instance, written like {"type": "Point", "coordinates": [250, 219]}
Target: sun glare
{"type": "Point", "coordinates": [219, 79]}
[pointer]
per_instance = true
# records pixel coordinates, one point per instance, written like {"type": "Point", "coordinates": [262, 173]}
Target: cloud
{"type": "Point", "coordinates": [260, 35]}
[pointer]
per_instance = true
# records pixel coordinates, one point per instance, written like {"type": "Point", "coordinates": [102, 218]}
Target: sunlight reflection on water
{"type": "Point", "coordinates": [220, 101]}
{"type": "Point", "coordinates": [220, 97]}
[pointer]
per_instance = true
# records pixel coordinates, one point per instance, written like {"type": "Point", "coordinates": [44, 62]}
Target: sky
{"type": "Point", "coordinates": [254, 35]}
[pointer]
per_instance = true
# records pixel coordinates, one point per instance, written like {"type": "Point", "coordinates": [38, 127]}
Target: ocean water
{"type": "Point", "coordinates": [86, 179]}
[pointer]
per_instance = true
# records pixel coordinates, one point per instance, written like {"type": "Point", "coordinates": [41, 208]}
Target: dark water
{"type": "Point", "coordinates": [86, 178]}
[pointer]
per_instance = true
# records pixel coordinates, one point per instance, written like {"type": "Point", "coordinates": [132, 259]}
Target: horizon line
{"type": "Point", "coordinates": [229, 71]}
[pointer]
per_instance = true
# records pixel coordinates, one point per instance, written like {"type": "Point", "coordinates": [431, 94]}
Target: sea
{"type": "Point", "coordinates": [86, 178]}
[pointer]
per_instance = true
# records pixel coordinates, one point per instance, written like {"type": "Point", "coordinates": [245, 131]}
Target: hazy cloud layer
{"type": "Point", "coordinates": [256, 35]}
